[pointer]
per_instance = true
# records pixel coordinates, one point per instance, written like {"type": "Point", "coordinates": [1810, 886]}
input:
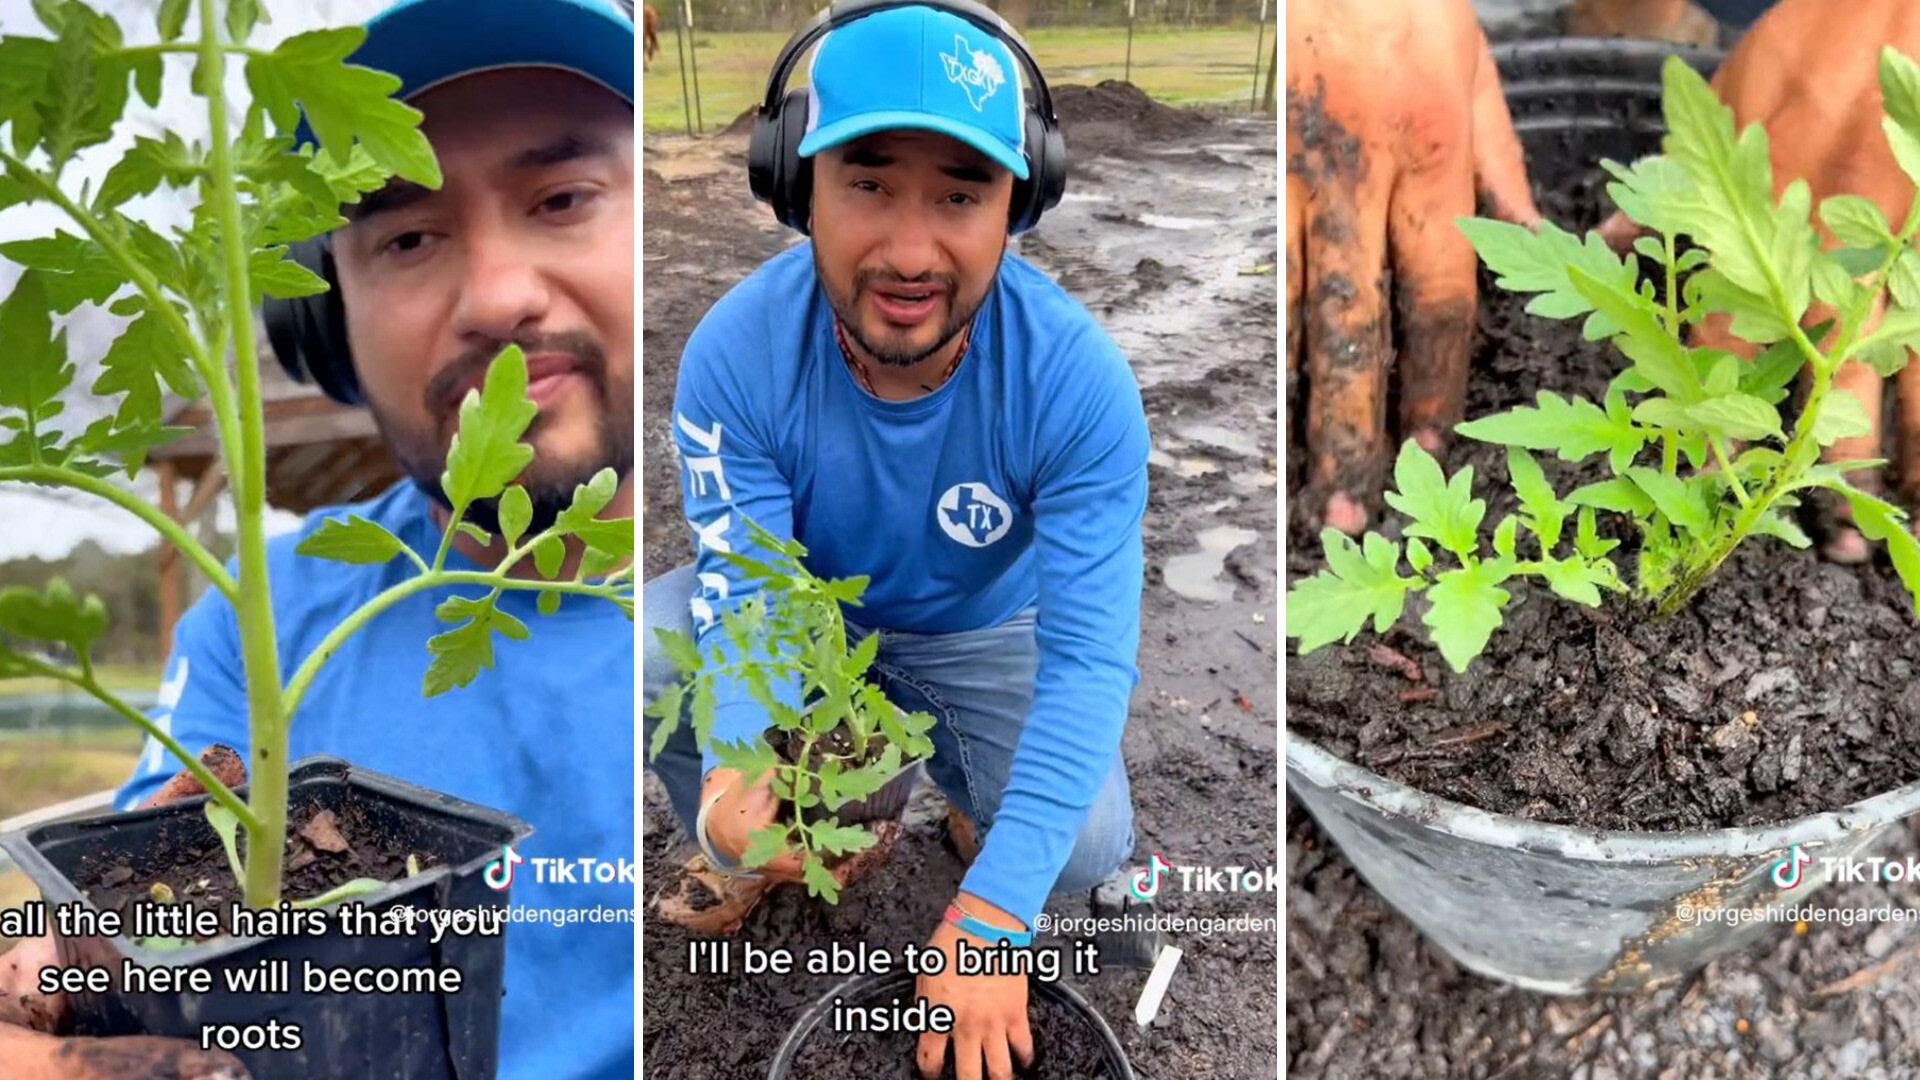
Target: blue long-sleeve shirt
{"type": "Point", "coordinates": [1019, 482]}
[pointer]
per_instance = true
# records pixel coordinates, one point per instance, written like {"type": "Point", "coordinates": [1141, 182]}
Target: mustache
{"type": "Point", "coordinates": [865, 280]}
{"type": "Point", "coordinates": [445, 389]}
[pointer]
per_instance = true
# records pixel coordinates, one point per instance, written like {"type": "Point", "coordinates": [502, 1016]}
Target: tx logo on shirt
{"type": "Point", "coordinates": [975, 70]}
{"type": "Point", "coordinates": [973, 515]}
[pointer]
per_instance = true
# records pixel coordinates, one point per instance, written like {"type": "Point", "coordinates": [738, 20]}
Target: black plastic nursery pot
{"type": "Point", "coordinates": [1547, 907]}
{"type": "Point", "coordinates": [887, 803]}
{"type": "Point", "coordinates": [815, 1050]}
{"type": "Point", "coordinates": [424, 1035]}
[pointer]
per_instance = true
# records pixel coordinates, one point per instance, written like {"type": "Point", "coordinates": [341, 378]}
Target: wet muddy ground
{"type": "Point", "coordinates": [1168, 235]}
{"type": "Point", "coordinates": [1368, 997]}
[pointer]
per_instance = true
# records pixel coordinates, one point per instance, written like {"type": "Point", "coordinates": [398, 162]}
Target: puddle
{"type": "Point", "coordinates": [1252, 481]}
{"type": "Point", "coordinates": [1188, 467]}
{"type": "Point", "coordinates": [1168, 221]}
{"type": "Point", "coordinates": [1196, 574]}
{"type": "Point", "coordinates": [1234, 442]}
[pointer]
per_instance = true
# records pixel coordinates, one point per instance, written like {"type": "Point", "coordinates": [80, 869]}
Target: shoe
{"type": "Point", "coordinates": [709, 902]}
{"type": "Point", "coordinates": [1135, 941]}
{"type": "Point", "coordinates": [961, 838]}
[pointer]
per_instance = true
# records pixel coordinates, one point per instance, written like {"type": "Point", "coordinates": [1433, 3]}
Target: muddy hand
{"type": "Point", "coordinates": [1395, 120]}
{"type": "Point", "coordinates": [991, 1034]}
{"type": "Point", "coordinates": [30, 1049]}
{"type": "Point", "coordinates": [1675, 21]}
{"type": "Point", "coordinates": [1813, 82]}
{"type": "Point", "coordinates": [739, 811]}
{"type": "Point", "coordinates": [736, 811]}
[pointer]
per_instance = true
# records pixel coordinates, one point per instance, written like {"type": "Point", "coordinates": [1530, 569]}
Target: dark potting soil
{"type": "Point", "coordinates": [325, 849]}
{"type": "Point", "coordinates": [1065, 1048]}
{"type": "Point", "coordinates": [834, 745]}
{"type": "Point", "coordinates": [1787, 687]}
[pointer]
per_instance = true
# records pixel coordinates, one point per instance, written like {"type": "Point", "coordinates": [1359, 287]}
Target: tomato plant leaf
{"type": "Point", "coordinates": [1572, 428]}
{"type": "Point", "coordinates": [1543, 262]}
{"type": "Point", "coordinates": [1677, 501]}
{"type": "Point", "coordinates": [1840, 416]}
{"type": "Point", "coordinates": [307, 73]}
{"type": "Point", "coordinates": [1546, 514]}
{"type": "Point", "coordinates": [1738, 416]}
{"type": "Point", "coordinates": [356, 541]}
{"type": "Point", "coordinates": [1465, 611]}
{"type": "Point", "coordinates": [1619, 495]}
{"type": "Point", "coordinates": [1334, 604]}
{"type": "Point", "coordinates": [487, 453]}
{"type": "Point", "coordinates": [1442, 510]}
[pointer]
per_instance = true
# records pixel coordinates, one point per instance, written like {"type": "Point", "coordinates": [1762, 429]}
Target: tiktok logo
{"type": "Point", "coordinates": [1146, 883]}
{"type": "Point", "coordinates": [1786, 872]}
{"type": "Point", "coordinates": [499, 875]}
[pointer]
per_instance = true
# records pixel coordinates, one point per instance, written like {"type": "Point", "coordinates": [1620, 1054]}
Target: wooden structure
{"type": "Point", "coordinates": [319, 453]}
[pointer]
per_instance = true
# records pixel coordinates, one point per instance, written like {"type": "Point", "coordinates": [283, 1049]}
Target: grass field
{"type": "Point", "coordinates": [1181, 67]}
{"type": "Point", "coordinates": [119, 678]}
{"type": "Point", "coordinates": [37, 769]}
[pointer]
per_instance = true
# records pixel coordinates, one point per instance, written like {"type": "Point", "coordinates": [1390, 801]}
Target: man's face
{"type": "Point", "coordinates": [529, 240]}
{"type": "Point", "coordinates": [908, 230]}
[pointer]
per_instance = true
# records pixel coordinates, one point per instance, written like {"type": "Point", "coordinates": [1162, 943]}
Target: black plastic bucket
{"type": "Point", "coordinates": [875, 989]}
{"type": "Point", "coordinates": [1553, 908]}
{"type": "Point", "coordinates": [404, 1036]}
{"type": "Point", "coordinates": [1579, 101]}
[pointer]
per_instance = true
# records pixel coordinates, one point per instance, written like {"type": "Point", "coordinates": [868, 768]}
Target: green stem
{"type": "Point", "coordinates": [211, 372]}
{"type": "Point", "coordinates": [1670, 455]}
{"type": "Point", "coordinates": [1720, 455]}
{"type": "Point", "coordinates": [1673, 302]}
{"type": "Point", "coordinates": [1784, 479]}
{"type": "Point", "coordinates": [138, 51]}
{"type": "Point", "coordinates": [173, 531]}
{"type": "Point", "coordinates": [254, 608]}
{"type": "Point", "coordinates": [85, 680]}
{"type": "Point", "coordinates": [446, 538]}
{"type": "Point", "coordinates": [310, 667]}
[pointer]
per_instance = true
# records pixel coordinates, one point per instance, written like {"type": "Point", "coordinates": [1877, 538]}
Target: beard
{"type": "Point", "coordinates": [845, 308]}
{"type": "Point", "coordinates": [549, 480]}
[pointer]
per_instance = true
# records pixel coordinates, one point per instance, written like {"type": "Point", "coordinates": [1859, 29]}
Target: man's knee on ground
{"type": "Point", "coordinates": [1104, 845]}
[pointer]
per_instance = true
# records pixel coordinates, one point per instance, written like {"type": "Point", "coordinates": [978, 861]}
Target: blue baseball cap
{"type": "Point", "coordinates": [426, 43]}
{"type": "Point", "coordinates": [921, 68]}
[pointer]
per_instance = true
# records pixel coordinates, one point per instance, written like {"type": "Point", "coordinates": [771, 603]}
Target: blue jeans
{"type": "Point", "coordinates": [978, 687]}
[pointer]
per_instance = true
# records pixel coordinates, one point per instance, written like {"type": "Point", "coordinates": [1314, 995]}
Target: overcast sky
{"type": "Point", "coordinates": [34, 525]}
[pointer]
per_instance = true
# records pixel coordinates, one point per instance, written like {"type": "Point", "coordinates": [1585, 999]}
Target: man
{"type": "Point", "coordinates": [914, 402]}
{"type": "Point", "coordinates": [528, 105]}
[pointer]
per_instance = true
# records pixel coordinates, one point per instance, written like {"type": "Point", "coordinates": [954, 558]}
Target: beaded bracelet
{"type": "Point", "coordinates": [958, 917]}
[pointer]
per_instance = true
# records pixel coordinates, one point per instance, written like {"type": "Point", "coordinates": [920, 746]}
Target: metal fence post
{"type": "Point", "coordinates": [686, 8]}
{"type": "Point", "coordinates": [681, 48]}
{"type": "Point", "coordinates": [1129, 75]}
{"type": "Point", "coordinates": [1260, 31]}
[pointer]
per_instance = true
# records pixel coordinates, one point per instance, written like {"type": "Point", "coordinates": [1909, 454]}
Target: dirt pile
{"type": "Point", "coordinates": [1112, 113]}
{"type": "Point", "coordinates": [742, 124]}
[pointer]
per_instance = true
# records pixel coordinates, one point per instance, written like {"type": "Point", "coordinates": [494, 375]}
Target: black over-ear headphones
{"type": "Point", "coordinates": [781, 178]}
{"type": "Point", "coordinates": [309, 334]}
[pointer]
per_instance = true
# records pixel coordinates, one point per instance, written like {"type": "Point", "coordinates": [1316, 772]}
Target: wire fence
{"type": "Point", "coordinates": [714, 56]}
